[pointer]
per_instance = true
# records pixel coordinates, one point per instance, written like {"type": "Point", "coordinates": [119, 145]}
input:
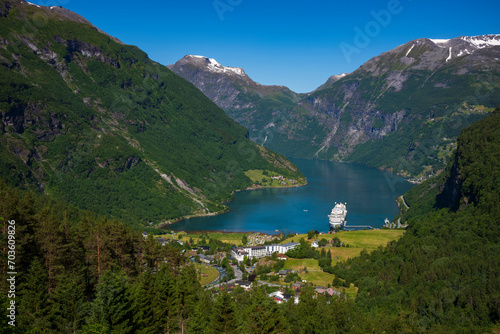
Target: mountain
{"type": "Point", "coordinates": [91, 121]}
{"type": "Point", "coordinates": [249, 103]}
{"type": "Point", "coordinates": [400, 111]}
{"type": "Point", "coordinates": [404, 109]}
{"type": "Point", "coordinates": [331, 80]}
{"type": "Point", "coordinates": [443, 273]}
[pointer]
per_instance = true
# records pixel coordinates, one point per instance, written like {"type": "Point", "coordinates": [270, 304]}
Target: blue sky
{"type": "Point", "coordinates": [298, 44]}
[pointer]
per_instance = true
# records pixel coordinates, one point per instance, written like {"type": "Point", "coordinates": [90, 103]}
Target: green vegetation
{"type": "Point", "coordinates": [264, 178]}
{"type": "Point", "coordinates": [442, 274]}
{"type": "Point", "coordinates": [297, 264]}
{"type": "Point", "coordinates": [80, 271]}
{"type": "Point", "coordinates": [99, 125]}
{"type": "Point", "coordinates": [84, 273]}
{"type": "Point", "coordinates": [369, 239]}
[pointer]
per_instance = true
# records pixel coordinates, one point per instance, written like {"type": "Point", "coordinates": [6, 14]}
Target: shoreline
{"type": "Point", "coordinates": [177, 220]}
{"type": "Point", "coordinates": [271, 187]}
{"type": "Point", "coordinates": [168, 223]}
{"type": "Point", "coordinates": [407, 178]}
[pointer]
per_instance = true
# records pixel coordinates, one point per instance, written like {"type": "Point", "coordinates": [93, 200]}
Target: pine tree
{"type": "Point", "coordinates": [264, 315]}
{"type": "Point", "coordinates": [167, 300]}
{"type": "Point", "coordinates": [67, 303]}
{"type": "Point", "coordinates": [306, 310]}
{"type": "Point", "coordinates": [50, 240]}
{"type": "Point", "coordinates": [189, 286]}
{"type": "Point", "coordinates": [143, 306]}
{"type": "Point", "coordinates": [200, 320]}
{"type": "Point", "coordinates": [33, 299]}
{"type": "Point", "coordinates": [112, 305]}
{"type": "Point", "coordinates": [224, 316]}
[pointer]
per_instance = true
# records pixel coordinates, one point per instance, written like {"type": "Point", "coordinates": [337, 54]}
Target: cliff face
{"type": "Point", "coordinates": [450, 193]}
{"type": "Point", "coordinates": [470, 180]}
{"type": "Point", "coordinates": [89, 120]}
{"type": "Point", "coordinates": [407, 106]}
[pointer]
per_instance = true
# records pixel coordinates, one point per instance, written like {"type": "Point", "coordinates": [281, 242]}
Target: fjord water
{"type": "Point", "coordinates": [370, 195]}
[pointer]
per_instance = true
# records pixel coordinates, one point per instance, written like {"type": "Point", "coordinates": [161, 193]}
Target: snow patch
{"type": "Point", "coordinates": [449, 55]}
{"type": "Point", "coordinates": [29, 3]}
{"type": "Point", "coordinates": [341, 75]}
{"type": "Point", "coordinates": [463, 52]}
{"type": "Point", "coordinates": [407, 53]}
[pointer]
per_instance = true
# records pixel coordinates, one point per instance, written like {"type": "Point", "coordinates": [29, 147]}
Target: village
{"type": "Point", "coordinates": [283, 264]}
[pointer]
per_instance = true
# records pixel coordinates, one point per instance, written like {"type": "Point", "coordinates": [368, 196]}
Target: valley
{"type": "Point", "coordinates": [142, 198]}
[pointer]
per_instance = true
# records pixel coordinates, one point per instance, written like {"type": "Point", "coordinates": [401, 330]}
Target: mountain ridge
{"type": "Point", "coordinates": [396, 94]}
{"type": "Point", "coordinates": [96, 123]}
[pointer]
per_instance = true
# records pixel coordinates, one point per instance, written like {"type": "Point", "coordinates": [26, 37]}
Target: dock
{"type": "Point", "coordinates": [359, 226]}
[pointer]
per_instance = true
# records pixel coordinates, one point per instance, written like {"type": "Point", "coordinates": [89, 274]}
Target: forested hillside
{"type": "Point", "coordinates": [79, 272]}
{"type": "Point", "coordinates": [444, 274]}
{"type": "Point", "coordinates": [96, 123]}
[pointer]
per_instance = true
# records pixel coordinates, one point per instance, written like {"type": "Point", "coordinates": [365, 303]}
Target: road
{"type": "Point", "coordinates": [404, 202]}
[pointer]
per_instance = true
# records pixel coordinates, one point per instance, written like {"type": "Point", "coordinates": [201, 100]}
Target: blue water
{"type": "Point", "coordinates": [370, 195]}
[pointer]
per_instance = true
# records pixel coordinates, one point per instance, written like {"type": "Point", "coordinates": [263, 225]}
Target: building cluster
{"type": "Point", "coordinates": [284, 180]}
{"type": "Point", "coordinates": [255, 239]}
{"type": "Point", "coordinates": [251, 252]}
{"type": "Point", "coordinates": [389, 224]}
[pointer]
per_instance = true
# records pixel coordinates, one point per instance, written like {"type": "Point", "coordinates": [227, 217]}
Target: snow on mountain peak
{"type": "Point", "coordinates": [465, 45]}
{"type": "Point", "coordinates": [483, 41]}
{"type": "Point", "coordinates": [214, 66]}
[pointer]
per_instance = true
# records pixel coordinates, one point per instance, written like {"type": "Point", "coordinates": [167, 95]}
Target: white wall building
{"type": "Point", "coordinates": [281, 249]}
{"type": "Point", "coordinates": [239, 253]}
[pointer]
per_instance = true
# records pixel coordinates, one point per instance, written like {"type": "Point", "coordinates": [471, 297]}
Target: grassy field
{"type": "Point", "coordinates": [340, 254]}
{"type": "Point", "coordinates": [210, 272]}
{"type": "Point", "coordinates": [296, 264]}
{"type": "Point", "coordinates": [368, 239]}
{"type": "Point", "coordinates": [357, 241]}
{"type": "Point", "coordinates": [258, 178]}
{"type": "Point", "coordinates": [297, 237]}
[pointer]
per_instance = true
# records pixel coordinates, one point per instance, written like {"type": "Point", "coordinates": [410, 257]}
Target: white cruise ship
{"type": "Point", "coordinates": [337, 216]}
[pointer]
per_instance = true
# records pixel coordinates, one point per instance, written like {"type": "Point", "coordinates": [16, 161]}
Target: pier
{"type": "Point", "coordinates": [360, 226]}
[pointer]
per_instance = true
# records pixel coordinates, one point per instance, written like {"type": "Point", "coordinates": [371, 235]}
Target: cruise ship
{"type": "Point", "coordinates": [337, 216]}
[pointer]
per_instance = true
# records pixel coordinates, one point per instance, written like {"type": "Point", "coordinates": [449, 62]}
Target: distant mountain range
{"type": "Point", "coordinates": [96, 123]}
{"type": "Point", "coordinates": [400, 111]}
